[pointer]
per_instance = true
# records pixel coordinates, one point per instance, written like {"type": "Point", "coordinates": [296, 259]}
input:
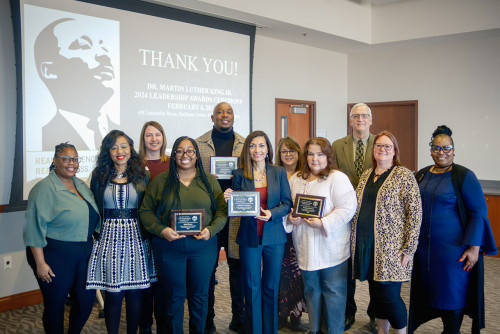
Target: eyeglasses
{"type": "Point", "coordinates": [386, 147]}
{"type": "Point", "coordinates": [437, 148]}
{"type": "Point", "coordinates": [363, 116]}
{"type": "Point", "coordinates": [115, 148]}
{"type": "Point", "coordinates": [290, 152]}
{"type": "Point", "coordinates": [180, 153]}
{"type": "Point", "coordinates": [67, 159]}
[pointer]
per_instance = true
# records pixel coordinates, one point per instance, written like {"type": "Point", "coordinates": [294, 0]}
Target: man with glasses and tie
{"type": "Point", "coordinates": [223, 141]}
{"type": "Point", "coordinates": [353, 155]}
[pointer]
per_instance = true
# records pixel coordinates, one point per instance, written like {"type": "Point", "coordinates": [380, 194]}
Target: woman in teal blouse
{"type": "Point", "coordinates": [60, 220]}
{"type": "Point", "coordinates": [184, 263]}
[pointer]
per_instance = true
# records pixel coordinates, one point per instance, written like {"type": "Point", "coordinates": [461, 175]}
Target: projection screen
{"type": "Point", "coordinates": [87, 69]}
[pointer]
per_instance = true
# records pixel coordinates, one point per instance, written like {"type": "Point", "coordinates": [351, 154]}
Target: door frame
{"type": "Point", "coordinates": [312, 116]}
{"type": "Point", "coordinates": [413, 103]}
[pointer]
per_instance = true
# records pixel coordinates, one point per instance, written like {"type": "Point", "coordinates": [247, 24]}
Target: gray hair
{"type": "Point", "coordinates": [360, 105]}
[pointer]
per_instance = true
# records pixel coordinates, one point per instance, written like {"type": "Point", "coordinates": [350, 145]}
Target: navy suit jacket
{"type": "Point", "coordinates": [279, 202]}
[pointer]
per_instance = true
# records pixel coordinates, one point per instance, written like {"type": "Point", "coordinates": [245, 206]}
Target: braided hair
{"type": "Point", "coordinates": [58, 150]}
{"type": "Point", "coordinates": [172, 185]}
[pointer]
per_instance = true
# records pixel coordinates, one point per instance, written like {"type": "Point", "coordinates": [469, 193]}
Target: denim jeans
{"type": "Point", "coordinates": [325, 291]}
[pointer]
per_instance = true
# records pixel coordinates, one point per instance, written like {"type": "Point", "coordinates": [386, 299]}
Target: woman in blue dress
{"type": "Point", "coordinates": [448, 275]}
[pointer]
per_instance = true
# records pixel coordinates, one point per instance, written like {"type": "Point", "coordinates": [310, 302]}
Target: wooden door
{"type": "Point", "coordinates": [295, 118]}
{"type": "Point", "coordinates": [493, 203]}
{"type": "Point", "coordinates": [401, 119]}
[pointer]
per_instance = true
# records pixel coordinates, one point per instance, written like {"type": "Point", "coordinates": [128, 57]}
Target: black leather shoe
{"type": "Point", "coordinates": [349, 320]}
{"type": "Point", "coordinates": [294, 323]}
{"type": "Point", "coordinates": [373, 325]}
{"type": "Point", "coordinates": [236, 324]}
{"type": "Point", "coordinates": [145, 330]}
{"type": "Point", "coordinates": [209, 327]}
{"type": "Point", "coordinates": [282, 321]}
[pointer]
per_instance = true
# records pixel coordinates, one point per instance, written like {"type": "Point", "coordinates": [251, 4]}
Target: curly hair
{"type": "Point", "coordinates": [58, 149]}
{"type": "Point", "coordinates": [172, 184]}
{"type": "Point", "coordinates": [326, 148]}
{"type": "Point", "coordinates": [103, 171]}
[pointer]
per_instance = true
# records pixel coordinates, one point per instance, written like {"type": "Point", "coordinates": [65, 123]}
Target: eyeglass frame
{"type": "Point", "coordinates": [289, 152]}
{"type": "Point", "coordinates": [386, 147]}
{"type": "Point", "coordinates": [67, 159]}
{"type": "Point", "coordinates": [185, 152]}
{"type": "Point", "coordinates": [363, 116]}
{"type": "Point", "coordinates": [441, 148]}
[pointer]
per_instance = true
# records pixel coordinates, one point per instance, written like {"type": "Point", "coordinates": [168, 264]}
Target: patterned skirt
{"type": "Point", "coordinates": [120, 259]}
{"type": "Point", "coordinates": [291, 299]}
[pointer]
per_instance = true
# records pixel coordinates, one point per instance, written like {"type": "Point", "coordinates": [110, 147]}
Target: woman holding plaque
{"type": "Point", "coordinates": [261, 238]}
{"type": "Point", "coordinates": [291, 292]}
{"type": "Point", "coordinates": [152, 147]}
{"type": "Point", "coordinates": [120, 264]}
{"type": "Point", "coordinates": [385, 231]}
{"type": "Point", "coordinates": [322, 243]}
{"type": "Point", "coordinates": [448, 275]}
{"type": "Point", "coordinates": [184, 262]}
{"type": "Point", "coordinates": [60, 220]}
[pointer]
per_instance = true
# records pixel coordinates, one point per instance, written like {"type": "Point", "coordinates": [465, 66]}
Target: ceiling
{"type": "Point", "coordinates": [305, 36]}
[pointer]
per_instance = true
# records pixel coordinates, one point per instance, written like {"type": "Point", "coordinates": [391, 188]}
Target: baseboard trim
{"type": "Point", "coordinates": [20, 300]}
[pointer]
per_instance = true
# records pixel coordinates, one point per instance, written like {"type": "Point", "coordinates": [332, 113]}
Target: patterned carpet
{"type": "Point", "coordinates": [28, 319]}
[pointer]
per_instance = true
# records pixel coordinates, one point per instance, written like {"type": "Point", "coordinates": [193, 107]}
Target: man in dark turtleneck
{"type": "Point", "coordinates": [222, 141]}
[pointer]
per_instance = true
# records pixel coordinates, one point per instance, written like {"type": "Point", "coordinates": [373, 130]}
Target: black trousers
{"type": "Point", "coordinates": [69, 262]}
{"type": "Point", "coordinates": [350, 307]}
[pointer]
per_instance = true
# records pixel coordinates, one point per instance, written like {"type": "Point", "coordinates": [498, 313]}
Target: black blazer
{"type": "Point", "coordinates": [279, 202]}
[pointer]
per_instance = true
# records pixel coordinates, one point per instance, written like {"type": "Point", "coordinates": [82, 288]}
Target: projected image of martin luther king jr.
{"type": "Point", "coordinates": [76, 67]}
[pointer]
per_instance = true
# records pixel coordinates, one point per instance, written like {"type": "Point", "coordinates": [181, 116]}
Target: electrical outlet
{"type": "Point", "coordinates": [7, 262]}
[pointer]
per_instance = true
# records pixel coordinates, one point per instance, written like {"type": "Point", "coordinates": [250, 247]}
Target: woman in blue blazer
{"type": "Point", "coordinates": [261, 238]}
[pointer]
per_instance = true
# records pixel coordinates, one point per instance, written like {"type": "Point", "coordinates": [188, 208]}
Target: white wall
{"type": "Point", "coordinates": [405, 20]}
{"type": "Point", "coordinates": [345, 18]}
{"type": "Point", "coordinates": [292, 71]}
{"type": "Point", "coordinates": [456, 83]}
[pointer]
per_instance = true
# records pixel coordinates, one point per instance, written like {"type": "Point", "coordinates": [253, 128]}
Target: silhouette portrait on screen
{"type": "Point", "coordinates": [77, 70]}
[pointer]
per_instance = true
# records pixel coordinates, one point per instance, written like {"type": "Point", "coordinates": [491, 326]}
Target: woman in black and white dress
{"type": "Point", "coordinates": [121, 262]}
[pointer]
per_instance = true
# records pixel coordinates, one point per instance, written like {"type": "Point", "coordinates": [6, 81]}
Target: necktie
{"type": "Point", "coordinates": [358, 160]}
